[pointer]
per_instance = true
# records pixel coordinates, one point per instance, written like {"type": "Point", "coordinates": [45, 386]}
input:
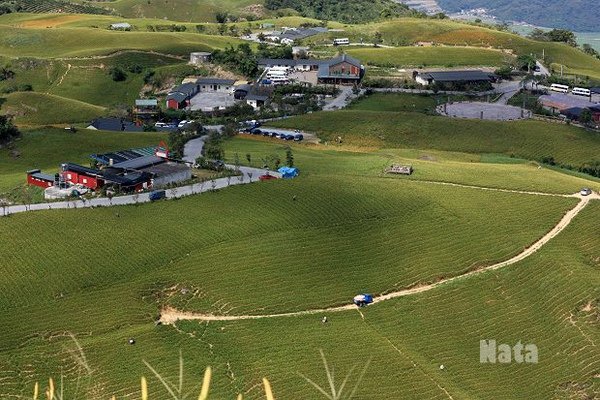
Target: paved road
{"type": "Point", "coordinates": [342, 100]}
{"type": "Point", "coordinates": [508, 90]}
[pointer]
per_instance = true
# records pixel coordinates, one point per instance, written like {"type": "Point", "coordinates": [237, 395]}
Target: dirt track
{"type": "Point", "coordinates": [171, 315]}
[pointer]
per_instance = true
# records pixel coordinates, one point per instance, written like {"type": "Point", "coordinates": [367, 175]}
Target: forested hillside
{"type": "Point", "coordinates": [577, 15]}
{"type": "Point", "coordinates": [349, 11]}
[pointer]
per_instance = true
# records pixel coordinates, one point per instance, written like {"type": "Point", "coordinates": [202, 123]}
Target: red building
{"type": "Point", "coordinates": [36, 178]}
{"type": "Point", "coordinates": [88, 177]}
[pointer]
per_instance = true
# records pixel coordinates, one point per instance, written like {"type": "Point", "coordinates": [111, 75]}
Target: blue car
{"type": "Point", "coordinates": [157, 195]}
{"type": "Point", "coordinates": [362, 300]}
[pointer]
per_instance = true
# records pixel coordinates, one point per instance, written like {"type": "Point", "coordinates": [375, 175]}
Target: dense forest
{"type": "Point", "coordinates": [349, 11]}
{"type": "Point", "coordinates": [576, 15]}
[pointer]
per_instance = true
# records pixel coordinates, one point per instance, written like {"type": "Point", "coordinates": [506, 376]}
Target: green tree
{"type": "Point", "coordinates": [8, 131]}
{"type": "Point", "coordinates": [289, 157]}
{"type": "Point", "coordinates": [117, 74]}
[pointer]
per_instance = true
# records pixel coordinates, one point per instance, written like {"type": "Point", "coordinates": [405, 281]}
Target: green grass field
{"type": "Point", "coordinates": [31, 108]}
{"type": "Point", "coordinates": [525, 139]}
{"type": "Point", "coordinates": [430, 56]}
{"type": "Point", "coordinates": [80, 42]}
{"type": "Point", "coordinates": [350, 230]}
{"type": "Point", "coordinates": [341, 228]}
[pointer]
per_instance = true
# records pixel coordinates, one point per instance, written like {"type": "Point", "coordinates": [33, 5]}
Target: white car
{"type": "Point", "coordinates": [585, 192]}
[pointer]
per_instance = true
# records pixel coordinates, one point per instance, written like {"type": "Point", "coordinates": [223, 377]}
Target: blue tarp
{"type": "Point", "coordinates": [288, 172]}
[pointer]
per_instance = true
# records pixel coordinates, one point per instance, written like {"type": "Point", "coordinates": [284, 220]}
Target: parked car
{"type": "Point", "coordinates": [160, 125]}
{"type": "Point", "coordinates": [256, 131]}
{"type": "Point", "coordinates": [585, 192]}
{"type": "Point", "coordinates": [157, 195]}
{"type": "Point", "coordinates": [184, 123]}
{"type": "Point", "coordinates": [266, 133]}
{"type": "Point", "coordinates": [288, 137]}
{"type": "Point", "coordinates": [280, 135]}
{"type": "Point", "coordinates": [274, 134]}
{"type": "Point", "coordinates": [298, 137]}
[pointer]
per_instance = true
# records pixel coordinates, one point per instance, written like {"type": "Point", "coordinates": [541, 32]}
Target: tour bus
{"type": "Point", "coordinates": [559, 88]}
{"type": "Point", "coordinates": [276, 74]}
{"type": "Point", "coordinates": [581, 92]}
{"type": "Point", "coordinates": [341, 41]}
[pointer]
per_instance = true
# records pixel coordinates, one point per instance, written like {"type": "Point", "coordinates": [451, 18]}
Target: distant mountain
{"type": "Point", "coordinates": [576, 15]}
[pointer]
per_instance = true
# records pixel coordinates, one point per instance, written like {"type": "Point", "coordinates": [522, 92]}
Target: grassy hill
{"type": "Point", "coordinates": [79, 42]}
{"type": "Point", "coordinates": [525, 139]}
{"type": "Point", "coordinates": [182, 10]}
{"type": "Point", "coordinates": [31, 108]}
{"type": "Point", "coordinates": [350, 230]}
{"type": "Point", "coordinates": [407, 31]}
{"type": "Point", "coordinates": [430, 56]}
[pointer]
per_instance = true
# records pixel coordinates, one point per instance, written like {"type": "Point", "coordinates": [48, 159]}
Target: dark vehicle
{"type": "Point", "coordinates": [298, 137]}
{"type": "Point", "coordinates": [157, 195]}
{"type": "Point", "coordinates": [266, 133]}
{"type": "Point", "coordinates": [288, 137]}
{"type": "Point", "coordinates": [274, 134]}
{"type": "Point", "coordinates": [256, 131]}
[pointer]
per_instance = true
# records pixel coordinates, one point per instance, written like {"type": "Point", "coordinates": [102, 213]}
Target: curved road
{"type": "Point", "coordinates": [170, 315]}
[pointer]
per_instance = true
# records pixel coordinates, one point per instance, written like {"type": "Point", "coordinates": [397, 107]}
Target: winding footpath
{"type": "Point", "coordinates": [170, 315]}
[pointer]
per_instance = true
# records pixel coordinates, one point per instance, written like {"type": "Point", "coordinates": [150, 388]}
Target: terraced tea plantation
{"type": "Point", "coordinates": [314, 242]}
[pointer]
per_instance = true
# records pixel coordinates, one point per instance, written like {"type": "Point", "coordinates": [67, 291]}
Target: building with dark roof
{"type": "Point", "coordinates": [215, 85]}
{"type": "Point", "coordinates": [450, 77]}
{"type": "Point", "coordinates": [180, 97]}
{"type": "Point", "coordinates": [342, 70]}
{"type": "Point", "coordinates": [257, 101]}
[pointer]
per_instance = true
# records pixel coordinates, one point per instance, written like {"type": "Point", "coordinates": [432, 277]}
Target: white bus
{"type": "Point", "coordinates": [581, 92]}
{"type": "Point", "coordinates": [279, 80]}
{"type": "Point", "coordinates": [341, 42]}
{"type": "Point", "coordinates": [276, 74]}
{"type": "Point", "coordinates": [559, 88]}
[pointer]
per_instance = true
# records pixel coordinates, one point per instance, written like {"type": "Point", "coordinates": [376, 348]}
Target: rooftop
{"type": "Point", "coordinates": [458, 76]}
{"type": "Point", "coordinates": [146, 103]}
{"type": "Point", "coordinates": [215, 81]}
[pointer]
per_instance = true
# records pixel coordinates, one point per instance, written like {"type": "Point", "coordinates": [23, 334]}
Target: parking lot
{"type": "Point", "coordinates": [480, 110]}
{"type": "Point", "coordinates": [208, 101]}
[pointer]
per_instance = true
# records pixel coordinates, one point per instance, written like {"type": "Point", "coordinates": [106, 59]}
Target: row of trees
{"type": "Point", "coordinates": [562, 36]}
{"type": "Point", "coordinates": [348, 11]}
{"type": "Point", "coordinates": [245, 61]}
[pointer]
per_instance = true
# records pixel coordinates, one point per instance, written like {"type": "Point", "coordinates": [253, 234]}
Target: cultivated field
{"type": "Point", "coordinates": [349, 230]}
{"type": "Point", "coordinates": [430, 56]}
{"type": "Point", "coordinates": [523, 139]}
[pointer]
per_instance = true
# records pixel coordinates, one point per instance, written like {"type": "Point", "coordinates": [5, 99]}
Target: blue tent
{"type": "Point", "coordinates": [288, 172]}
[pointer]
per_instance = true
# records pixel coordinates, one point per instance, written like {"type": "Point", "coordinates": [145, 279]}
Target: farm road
{"type": "Point", "coordinates": [170, 315]}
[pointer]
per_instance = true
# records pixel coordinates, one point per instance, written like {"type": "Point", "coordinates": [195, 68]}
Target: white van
{"type": "Point", "coordinates": [555, 87]}
{"type": "Point", "coordinates": [581, 92]}
{"type": "Point", "coordinates": [341, 42]}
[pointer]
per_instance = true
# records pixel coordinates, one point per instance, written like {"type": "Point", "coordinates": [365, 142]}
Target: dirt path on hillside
{"type": "Point", "coordinates": [170, 315]}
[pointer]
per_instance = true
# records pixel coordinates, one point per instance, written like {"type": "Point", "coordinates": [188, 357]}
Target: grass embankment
{"type": "Point", "coordinates": [430, 56]}
{"type": "Point", "coordinates": [31, 108]}
{"type": "Point", "coordinates": [80, 42]}
{"type": "Point", "coordinates": [408, 31]}
{"type": "Point", "coordinates": [523, 139]}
